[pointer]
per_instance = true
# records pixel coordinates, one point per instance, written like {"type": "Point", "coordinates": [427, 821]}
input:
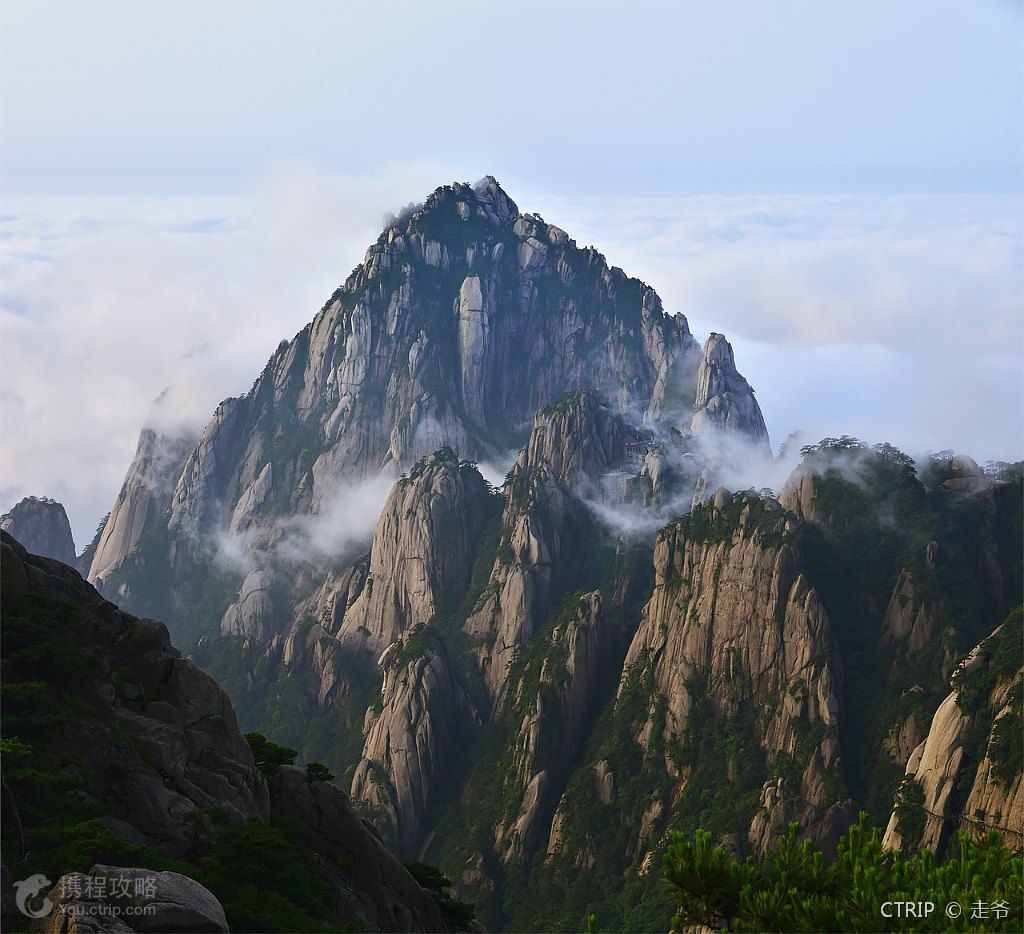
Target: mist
{"type": "Point", "coordinates": [839, 310]}
{"type": "Point", "coordinates": [340, 531]}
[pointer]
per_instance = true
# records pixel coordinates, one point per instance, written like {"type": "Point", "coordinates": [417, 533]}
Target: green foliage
{"type": "Point", "coordinates": [265, 877]}
{"type": "Point", "coordinates": [415, 645]}
{"type": "Point", "coordinates": [1005, 657]}
{"type": "Point", "coordinates": [709, 525]}
{"type": "Point", "coordinates": [318, 772]}
{"type": "Point", "coordinates": [796, 889]}
{"type": "Point", "coordinates": [1006, 750]}
{"type": "Point", "coordinates": [910, 813]}
{"type": "Point", "coordinates": [458, 915]}
{"type": "Point", "coordinates": [708, 881]}
{"type": "Point", "coordinates": [269, 756]}
{"type": "Point", "coordinates": [283, 703]}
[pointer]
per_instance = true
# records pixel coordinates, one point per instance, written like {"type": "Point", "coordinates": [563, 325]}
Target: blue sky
{"type": "Point", "coordinates": [837, 186]}
{"type": "Point", "coordinates": [576, 96]}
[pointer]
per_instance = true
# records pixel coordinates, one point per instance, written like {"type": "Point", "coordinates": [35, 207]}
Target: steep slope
{"type": "Point", "coordinates": [463, 320]}
{"type": "Point", "coordinates": [422, 552]}
{"type": "Point", "coordinates": [531, 686]}
{"type": "Point", "coordinates": [548, 537]}
{"type": "Point", "coordinates": [118, 748]}
{"type": "Point", "coordinates": [413, 737]}
{"type": "Point", "coordinates": [914, 568]}
{"type": "Point", "coordinates": [42, 526]}
{"type": "Point", "coordinates": [134, 531]}
{"type": "Point", "coordinates": [724, 399]}
{"type": "Point", "coordinates": [967, 774]}
{"type": "Point", "coordinates": [726, 715]}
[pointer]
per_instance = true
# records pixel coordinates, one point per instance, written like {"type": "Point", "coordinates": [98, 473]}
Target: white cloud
{"type": "Point", "coordinates": [891, 318]}
{"type": "Point", "coordinates": [894, 318]}
{"type": "Point", "coordinates": [104, 303]}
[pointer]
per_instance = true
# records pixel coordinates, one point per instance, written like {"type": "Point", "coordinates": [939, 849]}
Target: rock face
{"type": "Point", "coordinates": [423, 549]}
{"type": "Point", "coordinates": [556, 694]}
{"type": "Point", "coordinates": [724, 398]}
{"type": "Point", "coordinates": [41, 525]}
{"type": "Point", "coordinates": [167, 724]}
{"type": "Point", "coordinates": [523, 683]}
{"type": "Point", "coordinates": [153, 901]}
{"type": "Point", "coordinates": [141, 504]}
{"type": "Point", "coordinates": [544, 527]}
{"type": "Point", "coordinates": [735, 640]}
{"type": "Point", "coordinates": [412, 742]}
{"type": "Point", "coordinates": [964, 775]}
{"type": "Point", "coordinates": [371, 885]}
{"type": "Point", "coordinates": [464, 319]}
{"type": "Point", "coordinates": [150, 745]}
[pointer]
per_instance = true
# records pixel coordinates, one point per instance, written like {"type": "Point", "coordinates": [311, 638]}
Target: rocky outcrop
{"type": "Point", "coordinates": [83, 562]}
{"type": "Point", "coordinates": [546, 529]}
{"type": "Point", "coordinates": [481, 634]}
{"type": "Point", "coordinates": [121, 900]}
{"type": "Point", "coordinates": [251, 616]}
{"type": "Point", "coordinates": [42, 527]}
{"type": "Point", "coordinates": [422, 551]}
{"type": "Point", "coordinates": [149, 745]}
{"type": "Point", "coordinates": [142, 504]}
{"type": "Point", "coordinates": [167, 725]}
{"type": "Point", "coordinates": [965, 775]}
{"type": "Point", "coordinates": [371, 885]}
{"type": "Point", "coordinates": [735, 641]}
{"type": "Point", "coordinates": [463, 320]}
{"type": "Point", "coordinates": [725, 400]}
{"type": "Point", "coordinates": [555, 694]}
{"type": "Point", "coordinates": [414, 737]}
{"type": "Point", "coordinates": [578, 439]}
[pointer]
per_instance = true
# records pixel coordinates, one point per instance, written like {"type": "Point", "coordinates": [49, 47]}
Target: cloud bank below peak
{"type": "Point", "coordinates": [893, 318]}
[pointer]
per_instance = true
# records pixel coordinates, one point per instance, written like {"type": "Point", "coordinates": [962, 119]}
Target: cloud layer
{"type": "Point", "coordinates": [891, 318]}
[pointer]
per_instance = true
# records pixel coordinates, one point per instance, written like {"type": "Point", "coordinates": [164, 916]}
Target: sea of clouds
{"type": "Point", "coordinates": [891, 318]}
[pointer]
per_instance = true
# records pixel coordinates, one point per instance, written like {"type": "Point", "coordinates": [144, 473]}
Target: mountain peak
{"type": "Point", "coordinates": [41, 525]}
{"type": "Point", "coordinates": [458, 202]}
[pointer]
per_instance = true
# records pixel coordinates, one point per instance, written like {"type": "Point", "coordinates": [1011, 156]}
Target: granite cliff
{"type": "Point", "coordinates": [531, 681]}
{"type": "Point", "coordinates": [43, 525]}
{"type": "Point", "coordinates": [117, 747]}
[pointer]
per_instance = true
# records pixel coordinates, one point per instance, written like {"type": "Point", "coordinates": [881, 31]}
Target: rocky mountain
{"type": "Point", "coordinates": [967, 773]}
{"type": "Point", "coordinates": [532, 684]}
{"type": "Point", "coordinates": [464, 318]}
{"type": "Point", "coordinates": [118, 748]}
{"type": "Point", "coordinates": [43, 525]}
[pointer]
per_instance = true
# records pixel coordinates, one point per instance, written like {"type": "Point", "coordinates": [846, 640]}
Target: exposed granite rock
{"type": "Point", "coordinates": [423, 549]}
{"type": "Point", "coordinates": [167, 724]}
{"type": "Point", "coordinates": [959, 755]}
{"type": "Point", "coordinates": [372, 886]}
{"type": "Point", "coordinates": [42, 527]}
{"type": "Point", "coordinates": [724, 398]}
{"type": "Point", "coordinates": [251, 616]}
{"type": "Point", "coordinates": [154, 747]}
{"type": "Point", "coordinates": [414, 738]}
{"type": "Point", "coordinates": [553, 699]}
{"type": "Point", "coordinates": [733, 617]}
{"type": "Point", "coordinates": [910, 621]}
{"type": "Point", "coordinates": [132, 900]}
{"type": "Point", "coordinates": [777, 809]}
{"type": "Point", "coordinates": [544, 527]}
{"type": "Point", "coordinates": [142, 503]}
{"type": "Point", "coordinates": [463, 320]}
{"type": "Point", "coordinates": [577, 439]}
{"type": "Point", "coordinates": [83, 562]}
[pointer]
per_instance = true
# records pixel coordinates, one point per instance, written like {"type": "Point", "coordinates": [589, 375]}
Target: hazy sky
{"type": "Point", "coordinates": [837, 186]}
